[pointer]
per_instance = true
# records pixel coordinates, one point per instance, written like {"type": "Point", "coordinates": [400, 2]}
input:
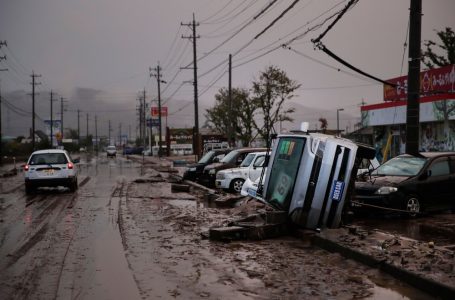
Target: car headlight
{"type": "Point", "coordinates": [212, 171]}
{"type": "Point", "coordinates": [385, 190]}
{"type": "Point", "coordinates": [220, 175]}
{"type": "Point", "coordinates": [192, 169]}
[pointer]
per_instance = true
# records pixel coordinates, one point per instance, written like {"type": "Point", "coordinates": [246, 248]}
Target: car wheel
{"type": "Point", "coordinates": [412, 205]}
{"type": "Point", "coordinates": [73, 186]}
{"type": "Point", "coordinates": [236, 185]}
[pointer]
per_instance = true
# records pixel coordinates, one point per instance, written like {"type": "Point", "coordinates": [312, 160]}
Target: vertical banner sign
{"type": "Point", "coordinates": [155, 116]}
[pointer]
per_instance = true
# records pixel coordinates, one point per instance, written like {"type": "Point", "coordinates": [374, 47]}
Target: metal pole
{"type": "Point", "coordinates": [412, 109]}
{"type": "Point", "coordinates": [159, 112]}
{"type": "Point", "coordinates": [96, 134]}
{"type": "Point", "coordinates": [338, 120]}
{"type": "Point", "coordinates": [196, 113]}
{"type": "Point", "coordinates": [231, 121]}
{"type": "Point", "coordinates": [52, 120]}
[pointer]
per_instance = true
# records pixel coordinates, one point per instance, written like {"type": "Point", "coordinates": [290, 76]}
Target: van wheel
{"type": "Point", "coordinates": [412, 205]}
{"type": "Point", "coordinates": [236, 185]}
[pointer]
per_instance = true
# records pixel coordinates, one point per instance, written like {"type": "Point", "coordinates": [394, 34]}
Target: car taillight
{"type": "Point", "coordinates": [26, 167]}
{"type": "Point", "coordinates": [70, 165]}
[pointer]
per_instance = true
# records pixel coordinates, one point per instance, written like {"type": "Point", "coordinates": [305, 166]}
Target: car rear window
{"type": "Point", "coordinates": [48, 158]}
{"type": "Point", "coordinates": [111, 148]}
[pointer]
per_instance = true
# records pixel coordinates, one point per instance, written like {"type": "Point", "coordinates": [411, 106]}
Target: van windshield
{"type": "Point", "coordinates": [284, 171]}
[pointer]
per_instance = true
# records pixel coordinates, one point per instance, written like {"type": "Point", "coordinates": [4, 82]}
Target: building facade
{"type": "Point", "coordinates": [437, 114]}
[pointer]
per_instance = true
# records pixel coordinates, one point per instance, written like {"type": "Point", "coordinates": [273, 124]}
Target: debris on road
{"type": "Point", "coordinates": [422, 264]}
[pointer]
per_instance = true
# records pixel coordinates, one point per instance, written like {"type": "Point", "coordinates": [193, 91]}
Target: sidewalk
{"type": "Point", "coordinates": [425, 266]}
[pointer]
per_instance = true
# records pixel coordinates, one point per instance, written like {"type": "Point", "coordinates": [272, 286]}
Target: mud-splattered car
{"type": "Point", "coordinates": [412, 184]}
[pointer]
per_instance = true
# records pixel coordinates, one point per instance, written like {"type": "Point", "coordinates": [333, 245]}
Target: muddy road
{"type": "Point", "coordinates": [125, 235]}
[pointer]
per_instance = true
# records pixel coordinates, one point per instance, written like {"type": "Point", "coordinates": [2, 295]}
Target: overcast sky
{"type": "Point", "coordinates": [97, 53]}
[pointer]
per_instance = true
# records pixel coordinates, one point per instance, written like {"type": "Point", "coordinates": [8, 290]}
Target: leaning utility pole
{"type": "Point", "coordinates": [412, 110]}
{"type": "Point", "coordinates": [159, 81]}
{"type": "Point", "coordinates": [33, 83]}
{"type": "Point", "coordinates": [196, 113]}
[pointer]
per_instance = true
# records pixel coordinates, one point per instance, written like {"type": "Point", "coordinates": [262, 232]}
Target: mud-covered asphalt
{"type": "Point", "coordinates": [118, 237]}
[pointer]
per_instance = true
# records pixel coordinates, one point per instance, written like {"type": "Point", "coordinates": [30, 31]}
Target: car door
{"type": "Point", "coordinates": [436, 186]}
{"type": "Point", "coordinates": [256, 168]}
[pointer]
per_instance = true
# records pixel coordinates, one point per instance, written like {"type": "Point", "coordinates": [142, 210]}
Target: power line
{"type": "Point", "coordinates": [226, 17]}
{"type": "Point", "coordinates": [263, 11]}
{"type": "Point", "coordinates": [218, 11]}
{"type": "Point", "coordinates": [210, 35]}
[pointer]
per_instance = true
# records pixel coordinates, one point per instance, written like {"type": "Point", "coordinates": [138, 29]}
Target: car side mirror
{"type": "Point", "coordinates": [76, 160]}
{"type": "Point", "coordinates": [216, 159]}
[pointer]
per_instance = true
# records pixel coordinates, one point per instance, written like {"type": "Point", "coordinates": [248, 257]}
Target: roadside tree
{"type": "Point", "coordinates": [270, 92]}
{"type": "Point", "coordinates": [444, 54]}
{"type": "Point", "coordinates": [234, 120]}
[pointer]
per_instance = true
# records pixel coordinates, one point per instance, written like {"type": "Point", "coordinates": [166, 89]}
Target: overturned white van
{"type": "Point", "coordinates": [310, 175]}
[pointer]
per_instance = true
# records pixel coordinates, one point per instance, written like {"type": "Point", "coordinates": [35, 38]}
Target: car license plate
{"type": "Point", "coordinates": [251, 192]}
{"type": "Point", "coordinates": [49, 171]}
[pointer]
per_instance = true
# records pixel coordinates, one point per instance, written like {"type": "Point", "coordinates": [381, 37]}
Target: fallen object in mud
{"type": "Point", "coordinates": [254, 227]}
{"type": "Point", "coordinates": [310, 176]}
{"type": "Point", "coordinates": [175, 188]}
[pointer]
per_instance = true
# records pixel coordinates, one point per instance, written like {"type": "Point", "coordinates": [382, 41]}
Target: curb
{"type": "Point", "coordinates": [425, 284]}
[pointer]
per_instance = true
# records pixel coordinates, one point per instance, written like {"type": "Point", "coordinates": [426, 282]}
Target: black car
{"type": "Point", "coordinates": [409, 183]}
{"type": "Point", "coordinates": [194, 171]}
{"type": "Point", "coordinates": [231, 160]}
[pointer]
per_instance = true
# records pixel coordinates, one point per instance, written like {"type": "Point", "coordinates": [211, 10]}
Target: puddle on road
{"type": "Point", "coordinates": [387, 288]}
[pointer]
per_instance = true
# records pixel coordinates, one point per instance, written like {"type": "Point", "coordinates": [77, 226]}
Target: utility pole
{"type": "Point", "coordinates": [120, 133]}
{"type": "Point", "coordinates": [34, 83]}
{"type": "Point", "coordinates": [1, 116]}
{"type": "Point", "coordinates": [231, 122]}
{"type": "Point", "coordinates": [52, 119]}
{"type": "Point", "coordinates": [87, 140]}
{"type": "Point", "coordinates": [412, 108]}
{"type": "Point", "coordinates": [159, 81]}
{"type": "Point", "coordinates": [144, 120]}
{"type": "Point", "coordinates": [61, 115]}
{"type": "Point", "coordinates": [109, 133]}
{"type": "Point", "coordinates": [0, 126]}
{"type": "Point", "coordinates": [78, 127]}
{"type": "Point", "coordinates": [96, 134]}
{"type": "Point", "coordinates": [196, 113]}
{"type": "Point", "coordinates": [140, 117]}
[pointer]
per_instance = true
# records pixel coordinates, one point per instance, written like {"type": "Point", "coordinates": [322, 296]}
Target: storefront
{"type": "Point", "coordinates": [437, 114]}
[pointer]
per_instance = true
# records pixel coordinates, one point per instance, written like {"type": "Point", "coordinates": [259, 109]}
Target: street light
{"type": "Point", "coordinates": [338, 120]}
